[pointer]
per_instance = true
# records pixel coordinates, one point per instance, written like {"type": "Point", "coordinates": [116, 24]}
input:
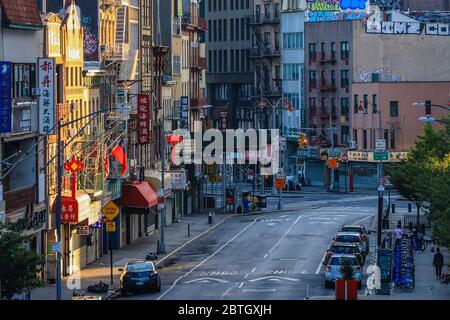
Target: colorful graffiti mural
{"type": "Point", "coordinates": [332, 10]}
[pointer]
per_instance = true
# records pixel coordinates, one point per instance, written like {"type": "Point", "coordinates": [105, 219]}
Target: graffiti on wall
{"type": "Point", "coordinates": [332, 10]}
{"type": "Point", "coordinates": [378, 75]}
{"type": "Point", "coordinates": [376, 26]}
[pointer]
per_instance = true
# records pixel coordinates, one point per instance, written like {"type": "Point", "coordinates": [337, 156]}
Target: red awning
{"type": "Point", "coordinates": [138, 195]}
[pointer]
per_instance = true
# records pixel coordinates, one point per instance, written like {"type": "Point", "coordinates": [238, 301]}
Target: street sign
{"type": "Point", "coordinates": [110, 226]}
{"type": "Point", "coordinates": [332, 163]}
{"type": "Point", "coordinates": [111, 210]}
{"type": "Point", "coordinates": [56, 247]}
{"type": "Point", "coordinates": [380, 187]}
{"type": "Point", "coordinates": [380, 144]}
{"type": "Point", "coordinates": [280, 183]}
{"type": "Point", "coordinates": [345, 157]}
{"type": "Point", "coordinates": [381, 156]}
{"type": "Point", "coordinates": [83, 230]}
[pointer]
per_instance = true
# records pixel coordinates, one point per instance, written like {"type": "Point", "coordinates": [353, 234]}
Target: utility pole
{"type": "Point", "coordinates": [380, 216]}
{"type": "Point", "coordinates": [59, 213]}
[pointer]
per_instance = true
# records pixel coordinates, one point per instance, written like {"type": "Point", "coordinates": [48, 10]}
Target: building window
{"type": "Point", "coordinates": [231, 4]}
{"type": "Point", "coordinates": [209, 5]}
{"type": "Point", "coordinates": [291, 71]}
{"type": "Point", "coordinates": [232, 60]}
{"type": "Point", "coordinates": [247, 52]}
{"type": "Point", "coordinates": [231, 30]}
{"type": "Point", "coordinates": [220, 29]}
{"type": "Point", "coordinates": [225, 30]}
{"type": "Point", "coordinates": [243, 60]}
{"type": "Point", "coordinates": [374, 103]}
{"type": "Point", "coordinates": [293, 40]}
{"type": "Point", "coordinates": [393, 146]}
{"type": "Point", "coordinates": [220, 61]}
{"type": "Point", "coordinates": [221, 92]}
{"type": "Point", "coordinates": [355, 136]}
{"type": "Point", "coordinates": [344, 79]}
{"type": "Point", "coordinates": [215, 61]}
{"type": "Point", "coordinates": [312, 106]}
{"type": "Point", "coordinates": [210, 35]}
{"type": "Point", "coordinates": [345, 134]}
{"type": "Point", "coordinates": [366, 103]}
{"type": "Point", "coordinates": [345, 49]}
{"type": "Point", "coordinates": [247, 4]}
{"type": "Point", "coordinates": [333, 78]}
{"type": "Point", "coordinates": [312, 78]}
{"type": "Point", "coordinates": [333, 50]}
{"type": "Point", "coordinates": [247, 28]}
{"type": "Point", "coordinates": [345, 106]}
{"type": "Point", "coordinates": [312, 49]}
{"type": "Point", "coordinates": [245, 92]}
{"type": "Point", "coordinates": [220, 5]}
{"type": "Point", "coordinates": [242, 28]}
{"type": "Point", "coordinates": [237, 60]}
{"type": "Point", "coordinates": [393, 108]}
{"type": "Point", "coordinates": [23, 80]}
{"type": "Point", "coordinates": [210, 68]}
{"type": "Point", "coordinates": [176, 64]}
{"type": "Point", "coordinates": [225, 61]}
{"type": "Point", "coordinates": [237, 29]}
{"type": "Point", "coordinates": [365, 139]}
{"type": "Point", "coordinates": [355, 103]}
{"type": "Point", "coordinates": [225, 5]}
{"type": "Point", "coordinates": [215, 5]}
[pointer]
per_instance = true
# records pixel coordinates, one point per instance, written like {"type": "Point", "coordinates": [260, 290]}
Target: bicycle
{"type": "Point", "coordinates": [407, 283]}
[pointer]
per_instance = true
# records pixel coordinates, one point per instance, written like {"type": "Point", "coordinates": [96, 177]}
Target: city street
{"type": "Point", "coordinates": [264, 256]}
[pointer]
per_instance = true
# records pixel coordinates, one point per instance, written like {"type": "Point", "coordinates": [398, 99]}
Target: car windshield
{"type": "Point", "coordinates": [342, 249]}
{"type": "Point", "coordinates": [336, 261]}
{"type": "Point", "coordinates": [140, 274]}
{"type": "Point", "coordinates": [140, 267]}
{"type": "Point", "coordinates": [348, 238]}
{"type": "Point", "coordinates": [352, 229]}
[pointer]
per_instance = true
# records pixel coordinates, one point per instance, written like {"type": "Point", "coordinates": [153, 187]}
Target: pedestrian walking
{"type": "Point", "coordinates": [438, 263]}
{"type": "Point", "coordinates": [398, 233]}
{"type": "Point", "coordinates": [414, 234]}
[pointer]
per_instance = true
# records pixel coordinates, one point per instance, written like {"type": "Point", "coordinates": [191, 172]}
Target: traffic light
{"type": "Point", "coordinates": [302, 140]}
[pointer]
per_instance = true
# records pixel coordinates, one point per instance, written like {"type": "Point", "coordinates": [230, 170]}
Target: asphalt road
{"type": "Point", "coordinates": [265, 256]}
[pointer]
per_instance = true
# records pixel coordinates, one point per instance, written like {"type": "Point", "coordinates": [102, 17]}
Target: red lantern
{"type": "Point", "coordinates": [174, 139]}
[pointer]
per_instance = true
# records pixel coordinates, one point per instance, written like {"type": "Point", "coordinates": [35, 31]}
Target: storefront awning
{"type": "Point", "coordinates": [138, 195]}
{"type": "Point", "coordinates": [154, 178]}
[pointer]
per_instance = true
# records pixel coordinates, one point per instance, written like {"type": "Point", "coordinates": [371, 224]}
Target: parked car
{"type": "Point", "coordinates": [351, 237]}
{"type": "Point", "coordinates": [344, 248]}
{"type": "Point", "coordinates": [333, 269]}
{"type": "Point", "coordinates": [360, 229]}
{"type": "Point", "coordinates": [139, 276]}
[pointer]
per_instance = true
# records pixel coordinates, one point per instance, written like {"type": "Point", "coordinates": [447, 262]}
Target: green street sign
{"type": "Point", "coordinates": [380, 156]}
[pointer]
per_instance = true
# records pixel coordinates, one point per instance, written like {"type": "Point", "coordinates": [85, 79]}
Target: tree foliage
{"type": "Point", "coordinates": [425, 176]}
{"type": "Point", "coordinates": [19, 266]}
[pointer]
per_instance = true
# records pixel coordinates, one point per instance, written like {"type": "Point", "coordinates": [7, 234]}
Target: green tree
{"type": "Point", "coordinates": [19, 266]}
{"type": "Point", "coordinates": [347, 270]}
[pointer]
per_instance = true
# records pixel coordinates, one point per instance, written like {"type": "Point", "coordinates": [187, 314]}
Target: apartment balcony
{"type": "Point", "coordinates": [267, 52]}
{"type": "Point", "coordinates": [269, 18]}
{"type": "Point", "coordinates": [19, 198]}
{"type": "Point", "coordinates": [324, 59]}
{"type": "Point", "coordinates": [188, 24]}
{"type": "Point", "coordinates": [327, 86]}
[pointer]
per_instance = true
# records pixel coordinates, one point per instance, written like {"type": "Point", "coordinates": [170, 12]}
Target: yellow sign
{"type": "Point", "coordinates": [280, 183]}
{"type": "Point", "coordinates": [111, 210]}
{"type": "Point", "coordinates": [110, 227]}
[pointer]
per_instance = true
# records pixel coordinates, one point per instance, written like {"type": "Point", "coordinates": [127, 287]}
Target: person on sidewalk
{"type": "Point", "coordinates": [438, 263]}
{"type": "Point", "coordinates": [398, 233]}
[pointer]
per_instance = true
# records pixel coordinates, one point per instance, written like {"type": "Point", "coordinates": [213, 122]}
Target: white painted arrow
{"type": "Point", "coordinates": [206, 280]}
{"type": "Point", "coordinates": [271, 224]}
{"type": "Point", "coordinates": [273, 278]}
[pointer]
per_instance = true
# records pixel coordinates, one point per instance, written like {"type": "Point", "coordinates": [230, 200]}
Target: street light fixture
{"type": "Point", "coordinates": [431, 120]}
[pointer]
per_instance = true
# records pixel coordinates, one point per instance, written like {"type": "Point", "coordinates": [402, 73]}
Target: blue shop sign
{"type": "Point", "coordinates": [5, 96]}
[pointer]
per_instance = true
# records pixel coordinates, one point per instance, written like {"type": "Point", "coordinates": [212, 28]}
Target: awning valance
{"type": "Point", "coordinates": [138, 195]}
{"type": "Point", "coordinates": [154, 178]}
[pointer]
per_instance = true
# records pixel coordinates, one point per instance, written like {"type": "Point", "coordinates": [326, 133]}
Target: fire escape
{"type": "Point", "coordinates": [324, 114]}
{"type": "Point", "coordinates": [264, 54]}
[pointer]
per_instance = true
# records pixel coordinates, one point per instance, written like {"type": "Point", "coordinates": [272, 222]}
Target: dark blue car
{"type": "Point", "coordinates": [140, 276]}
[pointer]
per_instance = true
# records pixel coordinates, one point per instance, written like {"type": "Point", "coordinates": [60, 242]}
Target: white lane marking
{"type": "Point", "coordinates": [209, 257]}
{"type": "Point", "coordinates": [206, 280]}
{"type": "Point", "coordinates": [253, 270]}
{"type": "Point", "coordinates": [322, 222]}
{"type": "Point", "coordinates": [265, 256]}
{"type": "Point", "coordinates": [362, 219]}
{"type": "Point", "coordinates": [226, 292]}
{"type": "Point", "coordinates": [286, 233]}
{"type": "Point", "coordinates": [241, 285]}
{"type": "Point", "coordinates": [246, 276]}
{"type": "Point", "coordinates": [273, 278]}
{"type": "Point", "coordinates": [288, 259]}
{"type": "Point", "coordinates": [259, 290]}
{"type": "Point", "coordinates": [319, 267]}
{"type": "Point", "coordinates": [271, 224]}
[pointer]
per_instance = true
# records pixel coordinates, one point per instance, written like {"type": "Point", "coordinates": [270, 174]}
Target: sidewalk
{"type": "Point", "coordinates": [176, 235]}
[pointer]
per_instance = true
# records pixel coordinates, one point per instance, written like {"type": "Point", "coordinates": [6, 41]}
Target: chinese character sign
{"type": "Point", "coordinates": [5, 96]}
{"type": "Point", "coordinates": [143, 120]}
{"type": "Point", "coordinates": [46, 97]}
{"type": "Point", "coordinates": [69, 212]}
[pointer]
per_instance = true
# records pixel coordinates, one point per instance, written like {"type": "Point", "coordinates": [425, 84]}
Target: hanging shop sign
{"type": "Point", "coordinates": [360, 156]}
{"type": "Point", "coordinates": [83, 230]}
{"type": "Point", "coordinates": [185, 112]}
{"type": "Point", "coordinates": [5, 96]}
{"type": "Point", "coordinates": [46, 96]}
{"type": "Point", "coordinates": [179, 181]}
{"type": "Point", "coordinates": [69, 212]}
{"type": "Point", "coordinates": [143, 122]}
